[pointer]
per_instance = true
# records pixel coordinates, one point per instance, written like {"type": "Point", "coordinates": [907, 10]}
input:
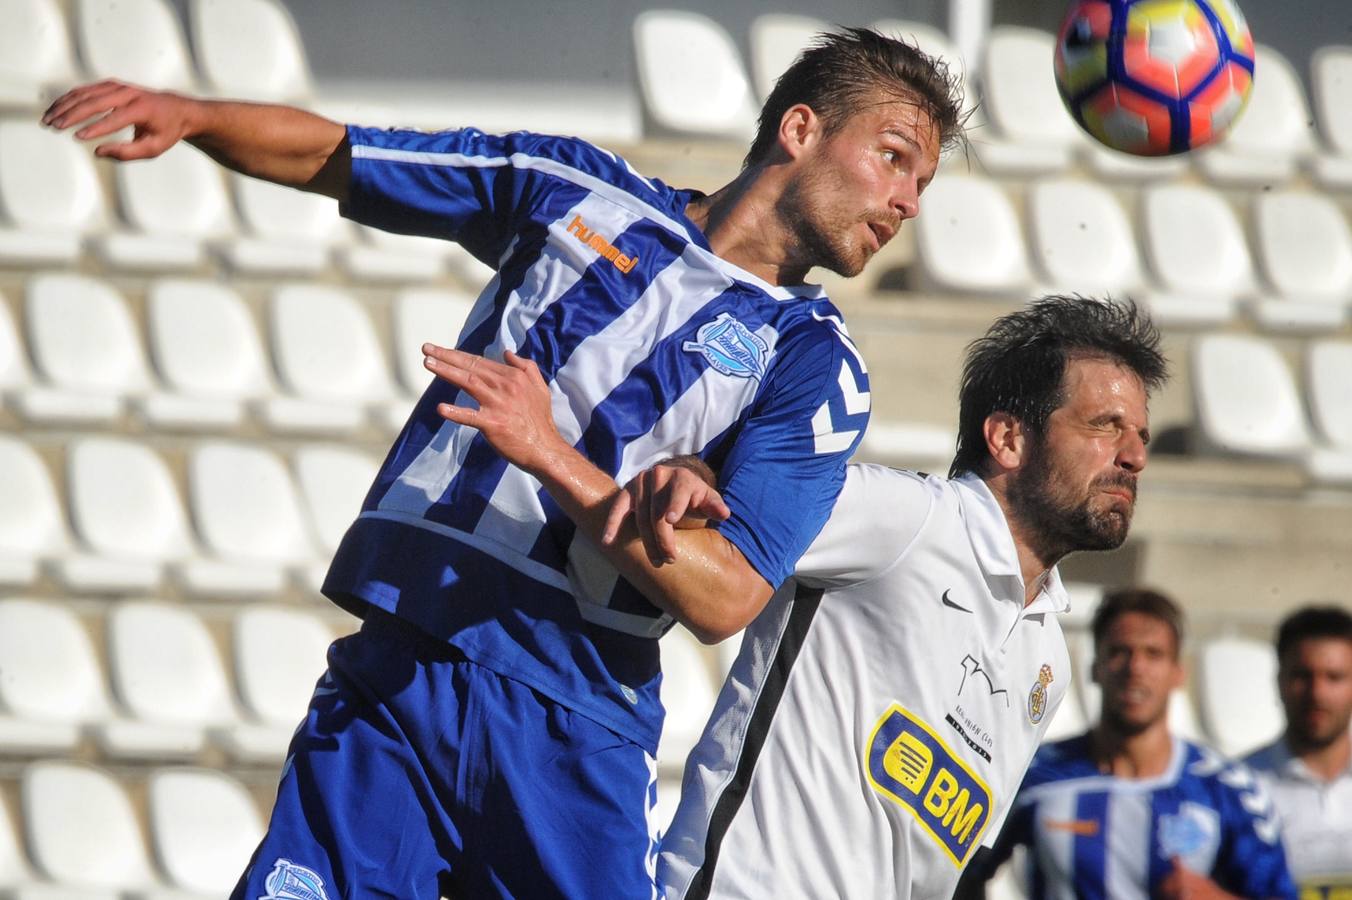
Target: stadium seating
{"type": "Point", "coordinates": [1328, 380]}
{"type": "Point", "coordinates": [35, 52]}
{"type": "Point", "coordinates": [421, 315]}
{"type": "Point", "coordinates": [289, 232]}
{"type": "Point", "coordinates": [279, 654]}
{"type": "Point", "coordinates": [1272, 136]}
{"type": "Point", "coordinates": [776, 40]}
{"type": "Point", "coordinates": [1305, 249]}
{"type": "Point", "coordinates": [1246, 398]}
{"type": "Point", "coordinates": [114, 36]}
{"type": "Point", "coordinates": [1080, 238]}
{"type": "Point", "coordinates": [203, 826]}
{"type": "Point", "coordinates": [385, 256]}
{"type": "Point", "coordinates": [1197, 253]}
{"type": "Point", "coordinates": [250, 49]}
{"type": "Point", "coordinates": [1238, 682]}
{"type": "Point", "coordinates": [32, 528]}
{"type": "Point", "coordinates": [49, 194]}
{"type": "Point", "coordinates": [1031, 131]}
{"type": "Point", "coordinates": [691, 75]}
{"type": "Point", "coordinates": [929, 39]}
{"type": "Point", "coordinates": [333, 482]}
{"type": "Point", "coordinates": [1331, 79]}
{"type": "Point", "coordinates": [968, 239]}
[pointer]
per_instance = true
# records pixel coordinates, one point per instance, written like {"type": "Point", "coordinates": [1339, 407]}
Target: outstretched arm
{"type": "Point", "coordinates": [707, 585]}
{"type": "Point", "coordinates": [276, 143]}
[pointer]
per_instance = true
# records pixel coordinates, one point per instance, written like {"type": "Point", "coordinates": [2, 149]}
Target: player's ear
{"type": "Point", "coordinates": [799, 130]}
{"type": "Point", "coordinates": [1006, 440]}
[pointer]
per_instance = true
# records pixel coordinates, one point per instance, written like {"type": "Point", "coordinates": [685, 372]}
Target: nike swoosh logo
{"type": "Point", "coordinates": [951, 604]}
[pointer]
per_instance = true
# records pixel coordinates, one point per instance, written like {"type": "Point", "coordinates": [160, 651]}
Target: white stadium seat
{"type": "Point", "coordinates": [1271, 136]}
{"type": "Point", "coordinates": [82, 830]}
{"type": "Point", "coordinates": [776, 40]}
{"type": "Point", "coordinates": [691, 75]}
{"type": "Point", "coordinates": [1197, 252]}
{"type": "Point", "coordinates": [14, 872]}
{"type": "Point", "coordinates": [289, 231]}
{"type": "Point", "coordinates": [50, 681]}
{"type": "Point", "coordinates": [1033, 131]}
{"type": "Point", "coordinates": [968, 238]}
{"type": "Point", "coordinates": [1238, 680]}
{"type": "Point", "coordinates": [1246, 399]}
{"type": "Point", "coordinates": [333, 481]}
{"type": "Point", "coordinates": [32, 527]}
{"type": "Point", "coordinates": [168, 677]}
{"type": "Point", "coordinates": [386, 256]}
{"type": "Point", "coordinates": [175, 203]}
{"type": "Point", "coordinates": [1081, 239]}
{"type": "Point", "coordinates": [203, 828]}
{"type": "Point", "coordinates": [13, 355]}
{"type": "Point", "coordinates": [126, 509]}
{"type": "Point", "coordinates": [688, 694]}
{"type": "Point", "coordinates": [249, 517]}
{"type": "Point", "coordinates": [86, 346]}
{"type": "Point", "coordinates": [1328, 380]}
{"type": "Point", "coordinates": [49, 193]}
{"type": "Point", "coordinates": [250, 49]}
{"type": "Point", "coordinates": [35, 52]}
{"type": "Point", "coordinates": [422, 315]}
{"type": "Point", "coordinates": [208, 352]}
{"type": "Point", "coordinates": [139, 41]}
{"type": "Point", "coordinates": [930, 40]}
{"type": "Point", "coordinates": [279, 655]}
{"type": "Point", "coordinates": [1305, 248]}
{"type": "Point", "coordinates": [328, 358]}
{"type": "Point", "coordinates": [1331, 81]}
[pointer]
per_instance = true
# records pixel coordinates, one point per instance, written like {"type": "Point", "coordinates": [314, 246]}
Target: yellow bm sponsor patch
{"type": "Point", "coordinates": [909, 764]}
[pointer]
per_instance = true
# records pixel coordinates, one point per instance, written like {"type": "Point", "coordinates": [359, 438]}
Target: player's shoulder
{"type": "Point", "coordinates": [1271, 758]}
{"type": "Point", "coordinates": [883, 485]}
{"type": "Point", "coordinates": [589, 159]}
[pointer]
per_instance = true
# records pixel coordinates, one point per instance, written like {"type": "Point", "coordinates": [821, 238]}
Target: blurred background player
{"type": "Point", "coordinates": [882, 711]}
{"type": "Point", "coordinates": [1128, 809]}
{"type": "Point", "coordinates": [1308, 770]}
{"type": "Point", "coordinates": [507, 720]}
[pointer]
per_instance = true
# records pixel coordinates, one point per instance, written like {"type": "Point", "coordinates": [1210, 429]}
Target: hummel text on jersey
{"type": "Point", "coordinates": [908, 763]}
{"type": "Point", "coordinates": [578, 229]}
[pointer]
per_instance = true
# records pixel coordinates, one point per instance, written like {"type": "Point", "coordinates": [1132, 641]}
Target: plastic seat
{"type": "Point", "coordinates": [168, 677]}
{"type": "Point", "coordinates": [139, 41]}
{"type": "Point", "coordinates": [1305, 248]}
{"type": "Point", "coordinates": [49, 193]}
{"type": "Point", "coordinates": [328, 358]}
{"type": "Point", "coordinates": [34, 52]}
{"type": "Point", "coordinates": [386, 256]}
{"type": "Point", "coordinates": [688, 693]}
{"type": "Point", "coordinates": [1330, 82]}
{"type": "Point", "coordinates": [1246, 398]}
{"type": "Point", "coordinates": [13, 356]}
{"type": "Point", "coordinates": [333, 481]}
{"type": "Point", "coordinates": [208, 352]}
{"type": "Point", "coordinates": [1197, 253]}
{"type": "Point", "coordinates": [82, 831]}
{"type": "Point", "coordinates": [1328, 379]}
{"type": "Point", "coordinates": [1080, 238]}
{"type": "Point", "coordinates": [248, 515]}
{"type": "Point", "coordinates": [86, 347]}
{"type": "Point", "coordinates": [279, 655]}
{"type": "Point", "coordinates": [14, 872]}
{"type": "Point", "coordinates": [776, 41]}
{"type": "Point", "coordinates": [422, 315]}
{"type": "Point", "coordinates": [50, 681]}
{"type": "Point", "coordinates": [127, 512]}
{"type": "Point", "coordinates": [1238, 681]}
{"type": "Point", "coordinates": [250, 49]}
{"type": "Point", "coordinates": [289, 231]}
{"type": "Point", "coordinates": [204, 826]}
{"type": "Point", "coordinates": [968, 238]}
{"type": "Point", "coordinates": [1033, 132]}
{"type": "Point", "coordinates": [1271, 136]}
{"type": "Point", "coordinates": [32, 527]}
{"type": "Point", "coordinates": [691, 75]}
{"type": "Point", "coordinates": [176, 203]}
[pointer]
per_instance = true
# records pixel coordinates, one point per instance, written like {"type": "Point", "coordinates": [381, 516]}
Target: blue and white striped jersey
{"type": "Point", "coordinates": [1092, 835]}
{"type": "Point", "coordinates": [653, 346]}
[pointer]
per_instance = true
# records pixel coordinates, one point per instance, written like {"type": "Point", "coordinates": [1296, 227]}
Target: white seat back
{"type": "Point", "coordinates": [123, 501]}
{"type": "Point", "coordinates": [139, 41]}
{"type": "Point", "coordinates": [1329, 390]}
{"type": "Point", "coordinates": [13, 367]}
{"type": "Point", "coordinates": [47, 180]}
{"type": "Point", "coordinates": [275, 212]}
{"type": "Point", "coordinates": [82, 336]}
{"type": "Point", "coordinates": [325, 346]}
{"type": "Point", "coordinates": [333, 482]}
{"type": "Point", "coordinates": [968, 237]}
{"type": "Point", "coordinates": [51, 672]}
{"type": "Point", "coordinates": [1246, 398]}
{"type": "Point", "coordinates": [1304, 245]}
{"type": "Point", "coordinates": [930, 40]}
{"type": "Point", "coordinates": [1194, 243]}
{"type": "Point", "coordinates": [1239, 694]}
{"type": "Point", "coordinates": [34, 50]}
{"type": "Point", "coordinates": [245, 506]}
{"type": "Point", "coordinates": [203, 340]}
{"type": "Point", "coordinates": [1276, 121]}
{"type": "Point", "coordinates": [179, 193]}
{"type": "Point", "coordinates": [165, 667]}
{"type": "Point", "coordinates": [1331, 81]}
{"type": "Point", "coordinates": [421, 315]}
{"type": "Point", "coordinates": [279, 655]}
{"type": "Point", "coordinates": [31, 523]}
{"type": "Point", "coordinates": [1081, 239]}
{"type": "Point", "coordinates": [776, 40]}
{"type": "Point", "coordinates": [203, 826]}
{"type": "Point", "coordinates": [82, 830]}
{"type": "Point", "coordinates": [250, 49]}
{"type": "Point", "coordinates": [1019, 88]}
{"type": "Point", "coordinates": [691, 74]}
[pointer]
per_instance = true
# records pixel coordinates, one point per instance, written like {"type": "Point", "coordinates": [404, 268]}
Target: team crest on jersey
{"type": "Point", "coordinates": [288, 881]}
{"type": "Point", "coordinates": [1192, 834]}
{"type": "Point", "coordinates": [1037, 697]}
{"type": "Point", "coordinates": [910, 765]}
{"type": "Point", "coordinates": [730, 347]}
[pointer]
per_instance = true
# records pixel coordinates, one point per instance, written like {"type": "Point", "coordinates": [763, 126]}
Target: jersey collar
{"type": "Point", "coordinates": [993, 544]}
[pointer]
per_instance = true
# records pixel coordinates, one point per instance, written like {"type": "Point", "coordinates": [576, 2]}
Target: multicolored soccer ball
{"type": "Point", "coordinates": [1154, 77]}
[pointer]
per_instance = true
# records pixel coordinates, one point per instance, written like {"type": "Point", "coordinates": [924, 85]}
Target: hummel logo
{"type": "Point", "coordinates": [951, 604]}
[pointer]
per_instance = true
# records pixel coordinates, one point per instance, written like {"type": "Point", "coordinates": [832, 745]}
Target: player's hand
{"type": "Point", "coordinates": [158, 119]}
{"type": "Point", "coordinates": [671, 495]}
{"type": "Point", "coordinates": [515, 412]}
{"type": "Point", "coordinates": [1184, 884]}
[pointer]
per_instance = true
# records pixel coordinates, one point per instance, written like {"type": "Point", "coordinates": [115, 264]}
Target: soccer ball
{"type": "Point", "coordinates": [1154, 77]}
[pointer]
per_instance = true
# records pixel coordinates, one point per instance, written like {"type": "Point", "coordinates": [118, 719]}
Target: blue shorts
{"type": "Point", "coordinates": [419, 773]}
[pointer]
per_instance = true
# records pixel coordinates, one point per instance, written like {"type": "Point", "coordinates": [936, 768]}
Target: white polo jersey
{"type": "Point", "coordinates": [881, 713]}
{"type": "Point", "coordinates": [1316, 821]}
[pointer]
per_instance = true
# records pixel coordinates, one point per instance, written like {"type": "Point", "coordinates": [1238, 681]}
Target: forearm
{"type": "Point", "coordinates": [709, 588]}
{"type": "Point", "coordinates": [276, 143]}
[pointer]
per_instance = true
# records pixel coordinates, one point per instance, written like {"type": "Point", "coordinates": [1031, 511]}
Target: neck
{"type": "Point", "coordinates": [1035, 559]}
{"type": "Point", "coordinates": [1326, 762]}
{"type": "Point", "coordinates": [741, 224]}
{"type": "Point", "coordinates": [1143, 754]}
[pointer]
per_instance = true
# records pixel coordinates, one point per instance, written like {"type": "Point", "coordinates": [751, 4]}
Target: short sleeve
{"type": "Point", "coordinates": [782, 475]}
{"type": "Point", "coordinates": [1252, 862]}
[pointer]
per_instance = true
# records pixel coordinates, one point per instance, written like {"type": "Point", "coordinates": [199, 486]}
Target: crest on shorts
{"type": "Point", "coordinates": [288, 881]}
{"type": "Point", "coordinates": [730, 347]}
{"type": "Point", "coordinates": [1037, 697]}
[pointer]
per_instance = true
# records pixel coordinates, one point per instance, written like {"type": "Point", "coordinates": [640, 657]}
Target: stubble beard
{"type": "Point", "coordinates": [822, 236]}
{"type": "Point", "coordinates": [1063, 524]}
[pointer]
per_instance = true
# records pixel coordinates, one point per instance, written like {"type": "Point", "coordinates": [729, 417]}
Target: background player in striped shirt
{"type": "Point", "coordinates": [1129, 810]}
{"type": "Point", "coordinates": [882, 710]}
{"type": "Point", "coordinates": [501, 700]}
